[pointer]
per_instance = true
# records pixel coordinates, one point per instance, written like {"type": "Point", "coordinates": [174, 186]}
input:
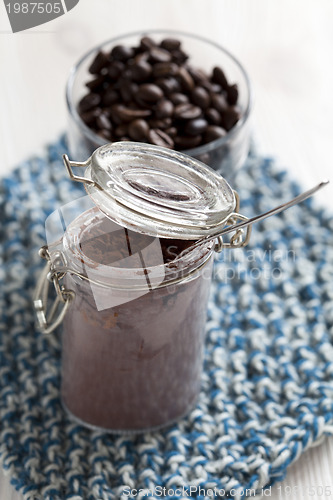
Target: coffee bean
{"type": "Point", "coordinates": [149, 92]}
{"type": "Point", "coordinates": [165, 69]}
{"type": "Point", "coordinates": [187, 142]}
{"type": "Point", "coordinates": [185, 79]}
{"type": "Point", "coordinates": [100, 61]}
{"type": "Point", "coordinates": [232, 93]}
{"type": "Point", "coordinates": [89, 117]}
{"type": "Point", "coordinates": [198, 75]}
{"type": "Point", "coordinates": [162, 123]}
{"type": "Point", "coordinates": [106, 134]}
{"type": "Point", "coordinates": [163, 109]}
{"type": "Point", "coordinates": [201, 97]}
{"type": "Point", "coordinates": [138, 130]}
{"type": "Point", "coordinates": [171, 131]}
{"type": "Point", "coordinates": [96, 84]}
{"type": "Point", "coordinates": [219, 102]}
{"type": "Point", "coordinates": [219, 77]}
{"type": "Point", "coordinates": [187, 111]}
{"type": "Point", "coordinates": [128, 90]}
{"type": "Point", "coordinates": [214, 132]}
{"type": "Point", "coordinates": [121, 130]}
{"type": "Point", "coordinates": [178, 56]}
{"type": "Point", "coordinates": [170, 44]}
{"type": "Point", "coordinates": [230, 117]}
{"type": "Point", "coordinates": [158, 55]}
{"type": "Point", "coordinates": [178, 98]}
{"type": "Point", "coordinates": [110, 96]}
{"type": "Point", "coordinates": [147, 43]}
{"type": "Point", "coordinates": [141, 71]}
{"type": "Point", "coordinates": [88, 102]}
{"type": "Point", "coordinates": [213, 116]}
{"type": "Point", "coordinates": [196, 126]}
{"type": "Point", "coordinates": [160, 138]}
{"type": "Point", "coordinates": [168, 85]}
{"type": "Point", "coordinates": [122, 53]}
{"type": "Point", "coordinates": [116, 69]}
{"type": "Point", "coordinates": [103, 122]}
{"type": "Point", "coordinates": [128, 114]}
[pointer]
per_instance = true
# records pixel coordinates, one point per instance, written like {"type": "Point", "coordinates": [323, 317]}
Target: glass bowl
{"type": "Point", "coordinates": [225, 155]}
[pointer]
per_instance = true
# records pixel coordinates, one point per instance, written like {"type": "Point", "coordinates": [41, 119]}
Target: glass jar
{"type": "Point", "coordinates": [133, 272]}
{"type": "Point", "coordinates": [225, 154]}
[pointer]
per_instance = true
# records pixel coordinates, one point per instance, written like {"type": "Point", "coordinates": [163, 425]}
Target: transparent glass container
{"type": "Point", "coordinates": [133, 273]}
{"type": "Point", "coordinates": [225, 155]}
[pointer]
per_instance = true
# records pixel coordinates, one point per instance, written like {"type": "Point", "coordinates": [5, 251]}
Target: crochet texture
{"type": "Point", "coordinates": [267, 387]}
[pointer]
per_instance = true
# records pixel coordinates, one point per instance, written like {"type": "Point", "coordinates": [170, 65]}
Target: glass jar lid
{"type": "Point", "coordinates": [156, 191]}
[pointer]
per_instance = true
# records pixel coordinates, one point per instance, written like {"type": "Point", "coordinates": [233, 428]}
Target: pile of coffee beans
{"type": "Point", "coordinates": [150, 93]}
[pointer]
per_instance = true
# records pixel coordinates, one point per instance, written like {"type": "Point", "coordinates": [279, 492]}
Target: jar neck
{"type": "Point", "coordinates": [102, 252]}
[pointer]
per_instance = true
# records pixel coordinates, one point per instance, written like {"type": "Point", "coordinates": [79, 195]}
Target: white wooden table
{"type": "Point", "coordinates": [287, 49]}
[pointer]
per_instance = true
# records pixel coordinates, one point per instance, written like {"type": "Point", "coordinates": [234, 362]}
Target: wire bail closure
{"type": "Point", "coordinates": [47, 322]}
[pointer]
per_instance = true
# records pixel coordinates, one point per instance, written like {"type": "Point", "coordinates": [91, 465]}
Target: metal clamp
{"type": "Point", "coordinates": [45, 319]}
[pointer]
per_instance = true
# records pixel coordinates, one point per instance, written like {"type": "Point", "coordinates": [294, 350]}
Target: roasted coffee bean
{"type": "Point", "coordinates": [162, 123]}
{"type": "Point", "coordinates": [219, 77]}
{"type": "Point", "coordinates": [200, 97]}
{"type": "Point", "coordinates": [116, 69]}
{"type": "Point", "coordinates": [216, 88]}
{"type": "Point", "coordinates": [165, 69]}
{"type": "Point", "coordinates": [178, 56]}
{"type": "Point", "coordinates": [125, 114]}
{"type": "Point", "coordinates": [230, 117]}
{"type": "Point", "coordinates": [171, 131]}
{"type": "Point", "coordinates": [232, 93]}
{"type": "Point", "coordinates": [170, 44]}
{"type": "Point", "coordinates": [141, 56]}
{"type": "Point", "coordinates": [168, 85]}
{"type": "Point", "coordinates": [198, 75]}
{"type": "Point", "coordinates": [103, 122]}
{"type": "Point", "coordinates": [158, 55]}
{"type": "Point", "coordinates": [122, 53]}
{"type": "Point", "coordinates": [89, 101]}
{"type": "Point", "coordinates": [185, 79]}
{"type": "Point", "coordinates": [128, 90]}
{"type": "Point", "coordinates": [96, 84]}
{"type": "Point", "coordinates": [147, 43]}
{"type": "Point", "coordinates": [138, 130]}
{"type": "Point", "coordinates": [100, 61]}
{"type": "Point", "coordinates": [121, 130]}
{"type": "Point", "coordinates": [160, 138]}
{"type": "Point", "coordinates": [187, 142]}
{"type": "Point", "coordinates": [109, 97]}
{"type": "Point", "coordinates": [196, 126]}
{"type": "Point", "coordinates": [187, 111]}
{"type": "Point", "coordinates": [149, 92]}
{"type": "Point", "coordinates": [141, 71]}
{"type": "Point", "coordinates": [219, 102]}
{"type": "Point", "coordinates": [178, 98]}
{"type": "Point", "coordinates": [89, 117]}
{"type": "Point", "coordinates": [213, 116]}
{"type": "Point", "coordinates": [214, 132]}
{"type": "Point", "coordinates": [106, 133]}
{"type": "Point", "coordinates": [163, 109]}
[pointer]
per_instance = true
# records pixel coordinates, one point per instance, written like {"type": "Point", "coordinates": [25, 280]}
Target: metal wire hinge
{"type": "Point", "coordinates": [47, 319]}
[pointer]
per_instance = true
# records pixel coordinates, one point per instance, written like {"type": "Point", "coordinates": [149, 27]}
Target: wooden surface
{"type": "Point", "coordinates": [286, 48]}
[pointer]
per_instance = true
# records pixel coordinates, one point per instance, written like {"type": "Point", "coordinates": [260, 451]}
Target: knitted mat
{"type": "Point", "coordinates": [267, 388]}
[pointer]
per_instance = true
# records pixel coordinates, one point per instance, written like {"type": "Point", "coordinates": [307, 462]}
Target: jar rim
{"type": "Point", "coordinates": [81, 265]}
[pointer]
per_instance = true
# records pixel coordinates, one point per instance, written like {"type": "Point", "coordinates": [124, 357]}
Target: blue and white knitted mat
{"type": "Point", "coordinates": [267, 388]}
